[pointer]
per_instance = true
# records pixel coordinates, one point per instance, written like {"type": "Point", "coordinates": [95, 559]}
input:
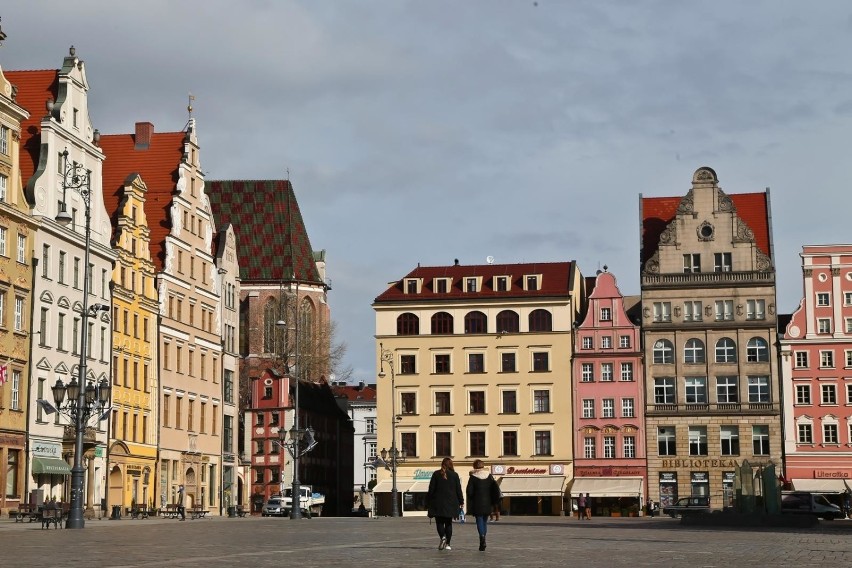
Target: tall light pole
{"type": "Point", "coordinates": [386, 356]}
{"type": "Point", "coordinates": [295, 433]}
{"type": "Point", "coordinates": [84, 398]}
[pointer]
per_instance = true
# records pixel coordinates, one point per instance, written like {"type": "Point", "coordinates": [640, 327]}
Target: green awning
{"type": "Point", "coordinates": [51, 466]}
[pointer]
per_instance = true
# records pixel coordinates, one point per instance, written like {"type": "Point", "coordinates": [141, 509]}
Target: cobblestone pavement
{"type": "Point", "coordinates": [514, 541]}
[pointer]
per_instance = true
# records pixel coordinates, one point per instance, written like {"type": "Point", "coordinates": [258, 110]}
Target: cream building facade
{"type": "Point", "coordinates": [713, 398]}
{"type": "Point", "coordinates": [476, 364]}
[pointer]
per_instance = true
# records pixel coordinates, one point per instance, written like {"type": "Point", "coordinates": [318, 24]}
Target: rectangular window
{"type": "Point", "coordinates": [695, 390]}
{"type": "Point", "coordinates": [407, 364]}
{"type": "Point", "coordinates": [823, 325]}
{"type": "Point", "coordinates": [829, 434]}
{"type": "Point", "coordinates": [662, 311]}
{"type": "Point", "coordinates": [510, 443]}
{"type": "Point", "coordinates": [408, 441]}
{"type": "Point", "coordinates": [629, 447]}
{"type": "Point", "coordinates": [532, 282]}
{"type": "Point", "coordinates": [606, 314]}
{"type": "Point", "coordinates": [730, 439]}
{"type": "Point", "coordinates": [608, 408]}
{"type": "Point", "coordinates": [628, 408]}
{"type": "Point", "coordinates": [724, 310]}
{"type": "Point", "coordinates": [692, 311]}
{"type": "Point", "coordinates": [606, 342]}
{"type": "Point", "coordinates": [541, 361]}
{"type": "Point", "coordinates": [22, 248]}
{"type": "Point", "coordinates": [178, 412]}
{"type": "Point", "coordinates": [442, 402]}
{"type": "Point", "coordinates": [502, 284]}
{"type": "Point", "coordinates": [624, 341]}
{"type": "Point", "coordinates": [542, 443]}
{"type": "Point", "coordinates": [666, 443]}
{"type": "Point", "coordinates": [19, 313]}
{"type": "Point", "coordinates": [477, 443]}
{"type": "Point", "coordinates": [760, 440]}
{"type": "Point", "coordinates": [15, 402]}
{"type": "Point", "coordinates": [510, 402]}
{"type": "Point", "coordinates": [801, 359]}
{"type": "Point", "coordinates": [803, 394]}
{"type": "Point", "coordinates": [826, 359]}
{"type": "Point", "coordinates": [475, 362]}
{"type": "Point", "coordinates": [758, 389]}
{"type": "Point", "coordinates": [442, 364]}
{"type": "Point", "coordinates": [755, 309]}
{"type": "Point", "coordinates": [588, 372]}
{"type": "Point", "coordinates": [609, 447]}
{"type": "Point", "coordinates": [722, 262]}
{"type": "Point", "coordinates": [3, 237]}
{"type": "Point", "coordinates": [408, 402]}
{"type": "Point", "coordinates": [588, 408]}
{"type": "Point", "coordinates": [697, 441]}
{"type": "Point", "coordinates": [443, 446]}
{"type": "Point", "coordinates": [541, 400]}
{"type": "Point", "coordinates": [829, 394]}
{"type": "Point", "coordinates": [588, 343]}
{"type": "Point", "coordinates": [848, 393]}
{"type": "Point", "coordinates": [627, 371]}
{"type": "Point", "coordinates": [691, 263]}
{"type": "Point", "coordinates": [61, 276]}
{"type": "Point", "coordinates": [822, 299]}
{"type": "Point", "coordinates": [190, 416]}
{"type": "Point", "coordinates": [589, 448]}
{"type": "Point", "coordinates": [42, 328]}
{"type": "Point", "coordinates": [228, 386]}
{"type": "Point", "coordinates": [477, 402]}
{"type": "Point", "coordinates": [471, 284]}
{"type": "Point", "coordinates": [166, 410]}
{"type": "Point", "coordinates": [606, 372]}
{"type": "Point", "coordinates": [4, 149]}
{"type": "Point", "coordinates": [727, 390]}
{"type": "Point", "coordinates": [664, 390]}
{"type": "Point", "coordinates": [442, 286]}
{"type": "Point", "coordinates": [805, 434]}
{"type": "Point", "coordinates": [507, 363]}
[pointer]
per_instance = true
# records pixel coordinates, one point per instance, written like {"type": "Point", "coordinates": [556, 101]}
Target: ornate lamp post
{"type": "Point", "coordinates": [89, 401]}
{"type": "Point", "coordinates": [386, 356]}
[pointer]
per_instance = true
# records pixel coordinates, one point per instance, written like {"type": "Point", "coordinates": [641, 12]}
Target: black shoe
{"type": "Point", "coordinates": [481, 543]}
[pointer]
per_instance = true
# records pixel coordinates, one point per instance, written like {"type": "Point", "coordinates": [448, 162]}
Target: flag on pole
{"type": "Point", "coordinates": [3, 369]}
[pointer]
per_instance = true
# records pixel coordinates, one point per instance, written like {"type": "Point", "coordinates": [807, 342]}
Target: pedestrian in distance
{"type": "Point", "coordinates": [581, 507]}
{"type": "Point", "coordinates": [443, 501]}
{"type": "Point", "coordinates": [650, 508]}
{"type": "Point", "coordinates": [483, 494]}
{"type": "Point", "coordinates": [588, 507]}
{"type": "Point", "coordinates": [181, 500]}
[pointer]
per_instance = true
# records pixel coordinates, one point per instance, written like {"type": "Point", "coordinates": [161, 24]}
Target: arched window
{"type": "Point", "coordinates": [693, 351]}
{"type": "Point", "coordinates": [757, 350]}
{"type": "Point", "coordinates": [663, 351]}
{"type": "Point", "coordinates": [442, 324]}
{"type": "Point", "coordinates": [508, 322]}
{"type": "Point", "coordinates": [541, 320]}
{"type": "Point", "coordinates": [407, 324]}
{"type": "Point", "coordinates": [726, 350]}
{"type": "Point", "coordinates": [475, 322]}
{"type": "Point", "coordinates": [270, 317]}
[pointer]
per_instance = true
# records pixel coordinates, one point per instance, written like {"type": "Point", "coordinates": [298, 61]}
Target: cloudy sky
{"type": "Point", "coordinates": [423, 131]}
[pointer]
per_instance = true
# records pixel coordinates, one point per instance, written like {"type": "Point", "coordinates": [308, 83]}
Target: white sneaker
{"type": "Point", "coordinates": [447, 547]}
{"type": "Point", "coordinates": [443, 544]}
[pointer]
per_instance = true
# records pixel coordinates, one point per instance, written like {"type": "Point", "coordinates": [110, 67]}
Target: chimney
{"type": "Point", "coordinates": [144, 133]}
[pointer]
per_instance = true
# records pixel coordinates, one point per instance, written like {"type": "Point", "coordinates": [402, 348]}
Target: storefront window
{"type": "Point", "coordinates": [668, 488]}
{"type": "Point", "coordinates": [700, 483]}
{"type": "Point", "coordinates": [12, 473]}
{"type": "Point", "coordinates": [728, 489]}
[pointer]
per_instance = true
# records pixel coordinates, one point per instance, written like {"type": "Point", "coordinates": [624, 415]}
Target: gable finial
{"type": "Point", "coordinates": [189, 104]}
{"type": "Point", "coordinates": [2, 35]}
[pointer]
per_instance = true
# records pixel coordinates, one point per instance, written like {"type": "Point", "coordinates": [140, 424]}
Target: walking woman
{"type": "Point", "coordinates": [483, 494]}
{"type": "Point", "coordinates": [444, 498]}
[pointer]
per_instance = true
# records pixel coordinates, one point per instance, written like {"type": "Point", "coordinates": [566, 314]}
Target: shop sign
{"type": "Point", "coordinates": [699, 463]}
{"type": "Point", "coordinates": [12, 439]}
{"type": "Point", "coordinates": [608, 471]}
{"type": "Point", "coordinates": [728, 477]}
{"type": "Point", "coordinates": [99, 452]}
{"type": "Point", "coordinates": [500, 469]}
{"type": "Point", "coordinates": [48, 450]}
{"type": "Point", "coordinates": [830, 474]}
{"type": "Point", "coordinates": [422, 474]}
{"type": "Point", "coordinates": [699, 477]}
{"type": "Point", "coordinates": [668, 477]}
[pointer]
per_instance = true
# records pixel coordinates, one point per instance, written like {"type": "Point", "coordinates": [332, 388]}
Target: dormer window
{"type": "Point", "coordinates": [441, 285]}
{"type": "Point", "coordinates": [532, 282]}
{"type": "Point", "coordinates": [501, 283]}
{"type": "Point", "coordinates": [411, 286]}
{"type": "Point", "coordinates": [471, 284]}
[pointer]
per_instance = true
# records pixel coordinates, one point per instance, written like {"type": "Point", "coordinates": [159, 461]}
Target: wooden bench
{"type": "Point", "coordinates": [49, 516]}
{"type": "Point", "coordinates": [197, 512]}
{"type": "Point", "coordinates": [241, 511]}
{"type": "Point", "coordinates": [140, 512]}
{"type": "Point", "coordinates": [25, 512]}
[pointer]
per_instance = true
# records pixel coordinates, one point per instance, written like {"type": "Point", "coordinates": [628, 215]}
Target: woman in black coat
{"type": "Point", "coordinates": [483, 494]}
{"type": "Point", "coordinates": [445, 497]}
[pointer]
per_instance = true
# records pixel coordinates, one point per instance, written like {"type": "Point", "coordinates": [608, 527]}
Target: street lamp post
{"type": "Point", "coordinates": [85, 400]}
{"type": "Point", "coordinates": [386, 356]}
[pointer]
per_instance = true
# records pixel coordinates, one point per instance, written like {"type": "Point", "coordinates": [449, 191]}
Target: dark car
{"type": "Point", "coordinates": [693, 504]}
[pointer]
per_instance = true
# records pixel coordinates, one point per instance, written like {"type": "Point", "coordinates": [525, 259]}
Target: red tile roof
{"type": "Point", "coordinates": [366, 393]}
{"type": "Point", "coordinates": [658, 212]}
{"type": "Point", "coordinates": [557, 280]}
{"type": "Point", "coordinates": [34, 90]}
{"type": "Point", "coordinates": [158, 166]}
{"type": "Point", "coordinates": [272, 241]}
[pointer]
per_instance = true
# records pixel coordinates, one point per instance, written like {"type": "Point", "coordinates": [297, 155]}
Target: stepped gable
{"type": "Point", "coordinates": [557, 280]}
{"type": "Point", "coordinates": [157, 163]}
{"type": "Point", "coordinates": [272, 241]}
{"type": "Point", "coordinates": [35, 88]}
{"type": "Point", "coordinates": [658, 212]}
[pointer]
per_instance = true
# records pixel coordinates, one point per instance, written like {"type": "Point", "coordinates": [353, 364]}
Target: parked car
{"type": "Point", "coordinates": [694, 504]}
{"type": "Point", "coordinates": [274, 507]}
{"type": "Point", "coordinates": [807, 503]}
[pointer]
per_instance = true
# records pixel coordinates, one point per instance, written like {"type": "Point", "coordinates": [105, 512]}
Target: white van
{"type": "Point", "coordinates": [807, 503]}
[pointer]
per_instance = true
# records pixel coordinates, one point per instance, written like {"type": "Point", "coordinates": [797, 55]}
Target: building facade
{"type": "Point", "coordinates": [134, 437]}
{"type": "Point", "coordinates": [477, 363]}
{"type": "Point", "coordinates": [16, 284]}
{"type": "Point", "coordinates": [360, 401]}
{"type": "Point", "coordinates": [609, 409]}
{"type": "Point", "coordinates": [816, 359]}
{"type": "Point", "coordinates": [59, 279]}
{"type": "Point", "coordinates": [713, 397]}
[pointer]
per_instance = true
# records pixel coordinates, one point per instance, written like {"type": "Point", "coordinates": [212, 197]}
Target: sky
{"type": "Point", "coordinates": [433, 130]}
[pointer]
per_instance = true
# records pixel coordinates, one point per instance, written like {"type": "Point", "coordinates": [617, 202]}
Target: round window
{"type": "Point", "coordinates": [707, 231]}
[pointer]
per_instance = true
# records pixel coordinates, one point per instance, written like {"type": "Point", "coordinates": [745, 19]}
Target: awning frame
{"type": "Point", "coordinates": [627, 486]}
{"type": "Point", "coordinates": [532, 486]}
{"type": "Point", "coordinates": [43, 465]}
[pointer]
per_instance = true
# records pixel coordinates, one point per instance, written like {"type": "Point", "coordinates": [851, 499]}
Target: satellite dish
{"type": "Point", "coordinates": [489, 259]}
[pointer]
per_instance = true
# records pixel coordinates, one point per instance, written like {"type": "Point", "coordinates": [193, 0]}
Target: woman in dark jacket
{"type": "Point", "coordinates": [483, 494]}
{"type": "Point", "coordinates": [445, 497]}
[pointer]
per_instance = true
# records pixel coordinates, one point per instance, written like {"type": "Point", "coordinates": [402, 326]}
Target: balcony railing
{"type": "Point", "coordinates": [707, 278]}
{"type": "Point", "coordinates": [714, 408]}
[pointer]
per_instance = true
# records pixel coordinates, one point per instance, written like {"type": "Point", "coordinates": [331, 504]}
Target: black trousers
{"type": "Point", "coordinates": [445, 527]}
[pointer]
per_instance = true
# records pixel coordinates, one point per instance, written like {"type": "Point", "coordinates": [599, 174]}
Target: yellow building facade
{"type": "Point", "coordinates": [133, 428]}
{"type": "Point", "coordinates": [475, 363]}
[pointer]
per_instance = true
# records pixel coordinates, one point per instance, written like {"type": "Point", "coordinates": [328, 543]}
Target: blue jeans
{"type": "Point", "coordinates": [482, 524]}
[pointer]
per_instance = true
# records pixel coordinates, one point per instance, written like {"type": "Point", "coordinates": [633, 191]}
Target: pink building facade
{"type": "Point", "coordinates": [816, 358]}
{"type": "Point", "coordinates": [608, 389]}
